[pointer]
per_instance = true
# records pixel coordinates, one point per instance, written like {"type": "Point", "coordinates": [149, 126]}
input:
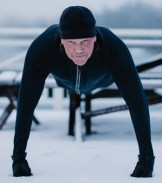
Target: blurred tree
{"type": "Point", "coordinates": [137, 15]}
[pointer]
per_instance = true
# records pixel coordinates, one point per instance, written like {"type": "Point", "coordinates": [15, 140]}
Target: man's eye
{"type": "Point", "coordinates": [85, 41]}
{"type": "Point", "coordinates": [71, 42]}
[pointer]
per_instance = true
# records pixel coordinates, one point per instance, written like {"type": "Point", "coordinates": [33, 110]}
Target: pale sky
{"type": "Point", "coordinates": [31, 10]}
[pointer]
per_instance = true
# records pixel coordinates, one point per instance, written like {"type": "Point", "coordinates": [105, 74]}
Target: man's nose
{"type": "Point", "coordinates": [78, 49]}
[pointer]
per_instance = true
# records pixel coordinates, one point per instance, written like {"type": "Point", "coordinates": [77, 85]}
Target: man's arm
{"type": "Point", "coordinates": [127, 79]}
{"type": "Point", "coordinates": [33, 79]}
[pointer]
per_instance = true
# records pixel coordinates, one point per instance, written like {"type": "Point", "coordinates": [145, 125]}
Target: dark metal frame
{"type": "Point", "coordinates": [11, 92]}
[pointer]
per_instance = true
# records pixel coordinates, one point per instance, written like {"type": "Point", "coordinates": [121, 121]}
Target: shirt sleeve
{"type": "Point", "coordinates": [34, 74]}
{"type": "Point", "coordinates": [128, 82]}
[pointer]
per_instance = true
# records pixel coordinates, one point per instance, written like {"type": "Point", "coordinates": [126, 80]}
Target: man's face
{"type": "Point", "coordinates": [79, 50]}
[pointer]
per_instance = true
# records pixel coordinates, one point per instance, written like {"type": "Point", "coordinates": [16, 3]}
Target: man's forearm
{"type": "Point", "coordinates": [29, 94]}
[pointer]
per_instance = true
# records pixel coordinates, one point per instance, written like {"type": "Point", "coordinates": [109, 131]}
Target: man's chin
{"type": "Point", "coordinates": [80, 62]}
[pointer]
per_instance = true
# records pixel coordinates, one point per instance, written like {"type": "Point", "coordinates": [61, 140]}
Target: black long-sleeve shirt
{"type": "Point", "coordinates": [110, 62]}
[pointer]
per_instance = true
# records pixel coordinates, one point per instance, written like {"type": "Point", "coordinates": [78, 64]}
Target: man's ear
{"type": "Point", "coordinates": [62, 41]}
{"type": "Point", "coordinates": [95, 38]}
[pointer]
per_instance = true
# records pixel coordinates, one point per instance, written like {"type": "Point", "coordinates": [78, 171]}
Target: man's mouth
{"type": "Point", "coordinates": [80, 56]}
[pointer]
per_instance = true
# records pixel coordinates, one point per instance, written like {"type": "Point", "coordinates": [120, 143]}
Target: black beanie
{"type": "Point", "coordinates": [77, 22]}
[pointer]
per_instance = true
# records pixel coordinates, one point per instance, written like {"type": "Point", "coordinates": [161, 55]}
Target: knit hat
{"type": "Point", "coordinates": [77, 22]}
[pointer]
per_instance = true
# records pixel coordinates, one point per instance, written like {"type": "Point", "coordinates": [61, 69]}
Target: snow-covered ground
{"type": "Point", "coordinates": [108, 156]}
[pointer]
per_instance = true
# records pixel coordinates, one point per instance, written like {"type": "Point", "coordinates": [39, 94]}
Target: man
{"type": "Point", "coordinates": [81, 57]}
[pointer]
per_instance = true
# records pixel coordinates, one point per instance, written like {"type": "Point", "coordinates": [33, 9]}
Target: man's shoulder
{"type": "Point", "coordinates": [51, 30]}
{"type": "Point", "coordinates": [44, 41]}
{"type": "Point", "coordinates": [105, 32]}
{"type": "Point", "coordinates": [46, 36]}
{"type": "Point", "coordinates": [109, 37]}
{"type": "Point", "coordinates": [101, 28]}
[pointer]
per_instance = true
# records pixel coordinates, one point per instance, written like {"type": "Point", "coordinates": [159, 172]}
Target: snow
{"type": "Point", "coordinates": [109, 155]}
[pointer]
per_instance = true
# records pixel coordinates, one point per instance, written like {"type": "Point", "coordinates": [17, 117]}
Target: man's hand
{"type": "Point", "coordinates": [21, 168]}
{"type": "Point", "coordinates": [144, 166]}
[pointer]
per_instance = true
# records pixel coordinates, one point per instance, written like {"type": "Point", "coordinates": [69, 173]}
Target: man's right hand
{"type": "Point", "coordinates": [21, 168]}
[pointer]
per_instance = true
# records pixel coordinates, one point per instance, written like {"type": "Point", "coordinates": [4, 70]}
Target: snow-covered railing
{"type": "Point", "coordinates": [18, 37]}
{"type": "Point", "coordinates": [132, 37]}
{"type": "Point", "coordinates": [9, 79]}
